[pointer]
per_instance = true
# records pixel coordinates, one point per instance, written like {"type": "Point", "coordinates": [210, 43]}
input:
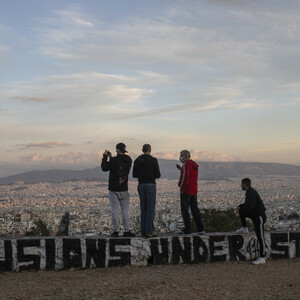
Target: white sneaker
{"type": "Point", "coordinates": [259, 261]}
{"type": "Point", "coordinates": [242, 230]}
{"type": "Point", "coordinates": [201, 233]}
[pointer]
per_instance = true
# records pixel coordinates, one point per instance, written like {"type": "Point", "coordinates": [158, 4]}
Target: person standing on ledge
{"type": "Point", "coordinates": [188, 184]}
{"type": "Point", "coordinates": [119, 167]}
{"type": "Point", "coordinates": [146, 169]}
{"type": "Point", "coordinates": [254, 209]}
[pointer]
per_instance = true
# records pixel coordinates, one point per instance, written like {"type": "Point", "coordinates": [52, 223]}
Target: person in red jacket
{"type": "Point", "coordinates": [188, 184]}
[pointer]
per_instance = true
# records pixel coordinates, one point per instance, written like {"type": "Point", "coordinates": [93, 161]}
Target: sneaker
{"type": "Point", "coordinates": [201, 233]}
{"type": "Point", "coordinates": [128, 234]}
{"type": "Point", "coordinates": [115, 234]}
{"type": "Point", "coordinates": [242, 230]}
{"type": "Point", "coordinates": [147, 235]}
{"type": "Point", "coordinates": [259, 261]}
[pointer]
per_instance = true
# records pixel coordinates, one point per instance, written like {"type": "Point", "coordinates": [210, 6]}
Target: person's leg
{"type": "Point", "coordinates": [124, 203]}
{"type": "Point", "coordinates": [143, 202]}
{"type": "Point", "coordinates": [150, 207]}
{"type": "Point", "coordinates": [258, 222]}
{"type": "Point", "coordinates": [184, 205]}
{"type": "Point", "coordinates": [243, 219]}
{"type": "Point", "coordinates": [196, 213]}
{"type": "Point", "coordinates": [114, 205]}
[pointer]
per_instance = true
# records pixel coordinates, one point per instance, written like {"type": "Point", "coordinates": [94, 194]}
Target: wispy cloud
{"type": "Point", "coordinates": [43, 145]}
{"type": "Point", "coordinates": [30, 99]}
{"type": "Point", "coordinates": [200, 155]}
{"type": "Point", "coordinates": [72, 158]}
{"type": "Point", "coordinates": [76, 159]}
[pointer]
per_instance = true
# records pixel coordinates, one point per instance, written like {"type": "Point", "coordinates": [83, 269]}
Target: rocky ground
{"type": "Point", "coordinates": [241, 280]}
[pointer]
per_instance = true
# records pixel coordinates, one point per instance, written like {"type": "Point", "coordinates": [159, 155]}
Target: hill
{"type": "Point", "coordinates": [207, 171]}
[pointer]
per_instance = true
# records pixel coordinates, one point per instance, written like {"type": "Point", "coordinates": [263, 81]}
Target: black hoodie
{"type": "Point", "coordinates": [146, 169]}
{"type": "Point", "coordinates": [119, 167]}
{"type": "Point", "coordinates": [253, 205]}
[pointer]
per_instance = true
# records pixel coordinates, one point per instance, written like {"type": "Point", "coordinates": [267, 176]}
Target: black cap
{"type": "Point", "coordinates": [121, 147]}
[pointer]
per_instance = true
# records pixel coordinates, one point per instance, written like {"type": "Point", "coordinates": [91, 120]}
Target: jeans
{"type": "Point", "coordinates": [147, 193]}
{"type": "Point", "coordinates": [258, 222]}
{"type": "Point", "coordinates": [122, 198]}
{"type": "Point", "coordinates": [187, 202]}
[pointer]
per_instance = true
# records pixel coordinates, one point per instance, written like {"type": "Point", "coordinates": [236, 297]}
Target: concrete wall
{"type": "Point", "coordinates": [53, 253]}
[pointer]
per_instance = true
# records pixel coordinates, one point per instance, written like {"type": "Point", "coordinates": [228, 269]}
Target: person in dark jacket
{"type": "Point", "coordinates": [254, 209]}
{"type": "Point", "coordinates": [188, 184]}
{"type": "Point", "coordinates": [119, 167]}
{"type": "Point", "coordinates": [146, 169]}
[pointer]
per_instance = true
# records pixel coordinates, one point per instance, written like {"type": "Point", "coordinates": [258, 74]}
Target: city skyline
{"type": "Point", "coordinates": [220, 78]}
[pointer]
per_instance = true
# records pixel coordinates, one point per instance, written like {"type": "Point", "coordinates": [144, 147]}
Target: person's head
{"type": "Point", "coordinates": [245, 184]}
{"type": "Point", "coordinates": [184, 156]}
{"type": "Point", "coordinates": [121, 148]}
{"type": "Point", "coordinates": [146, 149]}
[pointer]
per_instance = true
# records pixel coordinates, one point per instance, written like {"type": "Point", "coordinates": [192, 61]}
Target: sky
{"type": "Point", "coordinates": [220, 78]}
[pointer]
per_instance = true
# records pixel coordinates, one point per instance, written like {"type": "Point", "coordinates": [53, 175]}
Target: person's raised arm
{"type": "Point", "coordinates": [105, 165]}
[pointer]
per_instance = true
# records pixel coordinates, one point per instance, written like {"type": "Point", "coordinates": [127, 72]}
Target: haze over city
{"type": "Point", "coordinates": [220, 78]}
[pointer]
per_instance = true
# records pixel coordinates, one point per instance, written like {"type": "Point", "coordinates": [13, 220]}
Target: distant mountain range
{"type": "Point", "coordinates": [207, 171]}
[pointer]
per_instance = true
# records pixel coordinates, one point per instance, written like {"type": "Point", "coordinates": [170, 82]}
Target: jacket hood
{"type": "Point", "coordinates": [125, 158]}
{"type": "Point", "coordinates": [144, 157]}
{"type": "Point", "coordinates": [192, 164]}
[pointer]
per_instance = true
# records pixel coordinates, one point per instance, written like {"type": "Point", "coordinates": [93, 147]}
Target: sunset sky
{"type": "Point", "coordinates": [218, 77]}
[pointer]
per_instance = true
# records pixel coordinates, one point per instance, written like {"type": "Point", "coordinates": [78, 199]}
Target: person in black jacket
{"type": "Point", "coordinates": [146, 169]}
{"type": "Point", "coordinates": [254, 209]}
{"type": "Point", "coordinates": [119, 167]}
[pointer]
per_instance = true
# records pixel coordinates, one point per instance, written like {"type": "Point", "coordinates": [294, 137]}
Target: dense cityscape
{"type": "Point", "coordinates": [87, 203]}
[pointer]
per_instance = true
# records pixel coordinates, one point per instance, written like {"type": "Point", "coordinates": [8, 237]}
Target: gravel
{"type": "Point", "coordinates": [232, 280]}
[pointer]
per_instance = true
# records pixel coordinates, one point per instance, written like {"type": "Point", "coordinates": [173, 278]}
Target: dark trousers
{"type": "Point", "coordinates": [187, 202]}
{"type": "Point", "coordinates": [147, 193]}
{"type": "Point", "coordinates": [258, 222]}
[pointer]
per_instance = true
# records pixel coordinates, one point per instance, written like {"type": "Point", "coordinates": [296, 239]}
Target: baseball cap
{"type": "Point", "coordinates": [121, 147]}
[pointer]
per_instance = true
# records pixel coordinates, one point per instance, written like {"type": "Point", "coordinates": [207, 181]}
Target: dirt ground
{"type": "Point", "coordinates": [241, 280]}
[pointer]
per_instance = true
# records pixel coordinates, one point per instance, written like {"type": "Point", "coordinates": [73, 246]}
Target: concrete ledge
{"type": "Point", "coordinates": [54, 253]}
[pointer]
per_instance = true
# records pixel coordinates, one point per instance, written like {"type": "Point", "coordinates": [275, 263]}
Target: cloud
{"type": "Point", "coordinates": [292, 102]}
{"type": "Point", "coordinates": [86, 88]}
{"type": "Point", "coordinates": [43, 145]}
{"type": "Point", "coordinates": [203, 46]}
{"type": "Point", "coordinates": [33, 99]}
{"type": "Point", "coordinates": [81, 160]}
{"type": "Point", "coordinates": [71, 159]}
{"type": "Point", "coordinates": [200, 155]}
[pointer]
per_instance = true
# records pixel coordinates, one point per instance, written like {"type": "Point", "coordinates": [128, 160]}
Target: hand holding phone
{"type": "Point", "coordinates": [108, 153]}
{"type": "Point", "coordinates": [178, 167]}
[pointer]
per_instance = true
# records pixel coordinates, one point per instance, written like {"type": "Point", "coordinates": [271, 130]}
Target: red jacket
{"type": "Point", "coordinates": [188, 181]}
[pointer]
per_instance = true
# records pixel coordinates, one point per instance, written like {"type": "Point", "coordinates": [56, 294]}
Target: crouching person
{"type": "Point", "coordinates": [254, 209]}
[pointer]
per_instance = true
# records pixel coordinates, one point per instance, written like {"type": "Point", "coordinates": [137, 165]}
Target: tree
{"type": "Point", "coordinates": [40, 229]}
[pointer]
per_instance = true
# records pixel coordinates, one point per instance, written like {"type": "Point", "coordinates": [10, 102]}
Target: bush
{"type": "Point", "coordinates": [220, 221]}
{"type": "Point", "coordinates": [39, 230]}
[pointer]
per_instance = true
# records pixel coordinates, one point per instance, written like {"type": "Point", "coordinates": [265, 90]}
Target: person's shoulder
{"type": "Point", "coordinates": [137, 159]}
{"type": "Point", "coordinates": [251, 191]}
